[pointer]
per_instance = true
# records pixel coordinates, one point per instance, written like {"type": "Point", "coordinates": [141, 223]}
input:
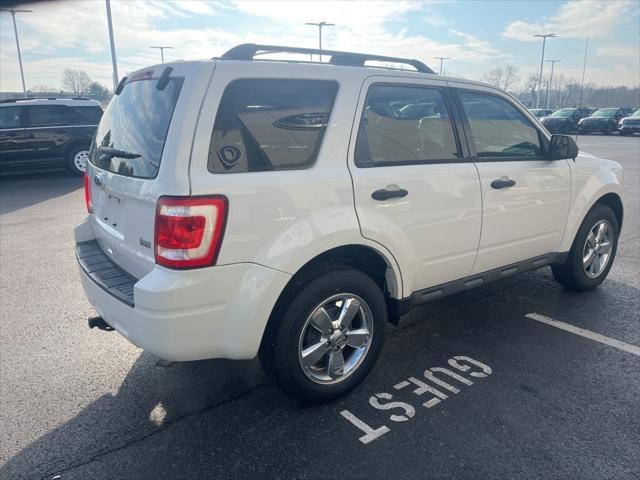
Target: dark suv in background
{"type": "Point", "coordinates": [630, 125]}
{"type": "Point", "coordinates": [47, 133]}
{"type": "Point", "coordinates": [565, 120]}
{"type": "Point", "coordinates": [604, 120]}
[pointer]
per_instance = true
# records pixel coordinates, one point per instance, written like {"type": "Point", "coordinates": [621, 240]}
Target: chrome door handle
{"type": "Point", "coordinates": [502, 182]}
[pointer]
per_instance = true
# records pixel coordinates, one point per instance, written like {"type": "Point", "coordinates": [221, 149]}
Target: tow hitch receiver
{"type": "Point", "coordinates": [99, 322]}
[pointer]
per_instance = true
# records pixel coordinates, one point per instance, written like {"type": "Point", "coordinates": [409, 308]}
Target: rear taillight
{"type": "Point", "coordinates": [189, 230]}
{"type": "Point", "coordinates": [87, 193]}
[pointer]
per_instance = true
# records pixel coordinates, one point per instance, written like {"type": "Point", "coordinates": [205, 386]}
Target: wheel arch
{"type": "Point", "coordinates": [361, 257]}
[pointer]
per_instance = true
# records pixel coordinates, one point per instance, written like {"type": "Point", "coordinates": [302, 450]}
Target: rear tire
{"type": "Point", "coordinates": [309, 327]}
{"type": "Point", "coordinates": [77, 159]}
{"type": "Point", "coordinates": [591, 256]}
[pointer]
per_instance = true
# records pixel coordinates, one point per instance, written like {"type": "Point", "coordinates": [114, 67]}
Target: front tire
{"type": "Point", "coordinates": [328, 337]}
{"type": "Point", "coordinates": [592, 253]}
{"type": "Point", "coordinates": [77, 159]}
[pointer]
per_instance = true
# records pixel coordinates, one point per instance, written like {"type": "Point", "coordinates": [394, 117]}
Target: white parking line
{"type": "Point", "coordinates": [625, 347]}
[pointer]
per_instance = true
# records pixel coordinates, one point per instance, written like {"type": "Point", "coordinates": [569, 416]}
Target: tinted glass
{"type": "Point", "coordinates": [403, 125]}
{"type": "Point", "coordinates": [270, 124]}
{"type": "Point", "coordinates": [85, 115]}
{"type": "Point", "coordinates": [10, 117]}
{"type": "Point", "coordinates": [564, 112]}
{"type": "Point", "coordinates": [498, 128]}
{"type": "Point", "coordinates": [136, 121]}
{"type": "Point", "coordinates": [606, 112]}
{"type": "Point", "coordinates": [46, 116]}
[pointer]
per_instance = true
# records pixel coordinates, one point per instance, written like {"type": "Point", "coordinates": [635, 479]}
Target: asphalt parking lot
{"type": "Point", "coordinates": [83, 404]}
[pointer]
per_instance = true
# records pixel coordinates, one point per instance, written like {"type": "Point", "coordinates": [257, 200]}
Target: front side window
{"type": "Point", "coordinates": [10, 117]}
{"type": "Point", "coordinates": [498, 128]}
{"type": "Point", "coordinates": [270, 124]}
{"type": "Point", "coordinates": [47, 116]}
{"type": "Point", "coordinates": [403, 125]}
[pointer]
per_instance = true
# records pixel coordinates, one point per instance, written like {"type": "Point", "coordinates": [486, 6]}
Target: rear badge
{"type": "Point", "coordinates": [229, 155]}
{"type": "Point", "coordinates": [145, 243]}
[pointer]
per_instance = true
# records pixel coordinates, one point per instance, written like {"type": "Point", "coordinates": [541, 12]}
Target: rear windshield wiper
{"type": "Point", "coordinates": [114, 152]}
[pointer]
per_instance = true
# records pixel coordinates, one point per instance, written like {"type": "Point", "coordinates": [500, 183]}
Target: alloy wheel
{"type": "Point", "coordinates": [597, 249]}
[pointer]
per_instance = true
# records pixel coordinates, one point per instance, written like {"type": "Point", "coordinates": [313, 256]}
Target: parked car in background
{"type": "Point", "coordinates": [630, 125]}
{"type": "Point", "coordinates": [604, 120]}
{"type": "Point", "coordinates": [47, 133]}
{"type": "Point", "coordinates": [540, 112]}
{"type": "Point", "coordinates": [565, 120]}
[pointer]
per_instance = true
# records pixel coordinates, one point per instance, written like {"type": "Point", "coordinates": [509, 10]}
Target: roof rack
{"type": "Point", "coordinates": [24, 99]}
{"type": "Point", "coordinates": [247, 51]}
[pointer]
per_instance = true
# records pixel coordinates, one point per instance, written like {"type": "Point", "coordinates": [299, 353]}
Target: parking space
{"type": "Point", "coordinates": [532, 401]}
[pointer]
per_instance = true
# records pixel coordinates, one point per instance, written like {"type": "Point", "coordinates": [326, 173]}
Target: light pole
{"type": "Point", "coordinates": [162, 49]}
{"type": "Point", "coordinates": [320, 25]}
{"type": "Point", "coordinates": [13, 12]}
{"type": "Point", "coordinates": [550, 84]}
{"type": "Point", "coordinates": [442, 59]}
{"type": "Point", "coordinates": [113, 47]}
{"type": "Point", "coordinates": [544, 41]}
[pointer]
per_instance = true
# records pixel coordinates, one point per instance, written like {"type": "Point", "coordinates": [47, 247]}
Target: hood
{"type": "Point", "coordinates": [630, 120]}
{"type": "Point", "coordinates": [597, 119]}
{"type": "Point", "coordinates": [555, 119]}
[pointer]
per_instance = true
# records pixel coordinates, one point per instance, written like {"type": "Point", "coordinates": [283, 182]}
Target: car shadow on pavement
{"type": "Point", "coordinates": [150, 399]}
{"type": "Point", "coordinates": [21, 191]}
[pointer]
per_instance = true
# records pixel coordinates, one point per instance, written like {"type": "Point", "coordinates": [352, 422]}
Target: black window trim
{"type": "Point", "coordinates": [461, 147]}
{"type": "Point", "coordinates": [544, 141]}
{"type": "Point", "coordinates": [322, 143]}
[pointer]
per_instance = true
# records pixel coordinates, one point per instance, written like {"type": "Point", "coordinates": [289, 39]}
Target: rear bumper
{"type": "Point", "coordinates": [217, 312]}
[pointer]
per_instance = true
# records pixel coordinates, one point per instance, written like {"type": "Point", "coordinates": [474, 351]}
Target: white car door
{"type": "Point", "coordinates": [416, 192]}
{"type": "Point", "coordinates": [525, 196]}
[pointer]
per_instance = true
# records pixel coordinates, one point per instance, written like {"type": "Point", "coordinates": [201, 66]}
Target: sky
{"type": "Point", "coordinates": [478, 35]}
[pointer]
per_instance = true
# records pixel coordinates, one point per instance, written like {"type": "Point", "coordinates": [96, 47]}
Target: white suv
{"type": "Point", "coordinates": [290, 209]}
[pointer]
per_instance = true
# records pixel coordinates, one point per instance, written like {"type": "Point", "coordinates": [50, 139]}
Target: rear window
{"type": "Point", "coordinates": [270, 124]}
{"type": "Point", "coordinates": [133, 129]}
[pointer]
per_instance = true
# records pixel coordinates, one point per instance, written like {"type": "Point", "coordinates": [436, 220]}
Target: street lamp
{"type": "Point", "coordinates": [13, 12]}
{"type": "Point", "coordinates": [112, 42]}
{"type": "Point", "coordinates": [162, 49]}
{"type": "Point", "coordinates": [442, 59]}
{"type": "Point", "coordinates": [550, 84]}
{"type": "Point", "coordinates": [320, 25]}
{"type": "Point", "coordinates": [544, 41]}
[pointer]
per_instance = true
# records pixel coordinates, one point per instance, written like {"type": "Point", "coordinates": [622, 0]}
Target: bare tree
{"type": "Point", "coordinates": [75, 80]}
{"type": "Point", "coordinates": [504, 78]}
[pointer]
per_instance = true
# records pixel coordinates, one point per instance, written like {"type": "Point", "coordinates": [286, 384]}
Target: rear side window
{"type": "Point", "coordinates": [85, 115]}
{"type": "Point", "coordinates": [498, 128]}
{"type": "Point", "coordinates": [133, 129]}
{"type": "Point", "coordinates": [10, 117]}
{"type": "Point", "coordinates": [403, 125]}
{"type": "Point", "coordinates": [270, 124]}
{"type": "Point", "coordinates": [46, 116]}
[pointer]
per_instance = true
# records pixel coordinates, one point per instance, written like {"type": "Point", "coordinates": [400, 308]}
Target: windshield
{"type": "Point", "coordinates": [636, 113]}
{"type": "Point", "coordinates": [133, 129]}
{"type": "Point", "coordinates": [563, 112]}
{"type": "Point", "coordinates": [605, 112]}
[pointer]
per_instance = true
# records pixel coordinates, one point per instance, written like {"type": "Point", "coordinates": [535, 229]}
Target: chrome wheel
{"type": "Point", "coordinates": [335, 338]}
{"type": "Point", "coordinates": [80, 160]}
{"type": "Point", "coordinates": [597, 249]}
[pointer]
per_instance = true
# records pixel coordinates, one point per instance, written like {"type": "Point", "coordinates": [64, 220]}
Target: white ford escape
{"type": "Point", "coordinates": [289, 209]}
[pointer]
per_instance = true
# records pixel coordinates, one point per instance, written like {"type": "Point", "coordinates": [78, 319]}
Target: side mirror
{"type": "Point", "coordinates": [562, 147]}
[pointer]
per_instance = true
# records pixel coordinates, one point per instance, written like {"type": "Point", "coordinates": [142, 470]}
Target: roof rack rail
{"type": "Point", "coordinates": [247, 51]}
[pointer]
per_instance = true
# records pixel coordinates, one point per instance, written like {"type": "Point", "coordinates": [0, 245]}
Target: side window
{"type": "Point", "coordinates": [86, 115]}
{"type": "Point", "coordinates": [270, 124]}
{"type": "Point", "coordinates": [403, 125]}
{"type": "Point", "coordinates": [498, 128]}
{"type": "Point", "coordinates": [46, 116]}
{"type": "Point", "coordinates": [10, 117]}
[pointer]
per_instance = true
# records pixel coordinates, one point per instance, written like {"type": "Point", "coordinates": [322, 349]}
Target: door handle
{"type": "Point", "coordinates": [391, 191]}
{"type": "Point", "coordinates": [502, 182]}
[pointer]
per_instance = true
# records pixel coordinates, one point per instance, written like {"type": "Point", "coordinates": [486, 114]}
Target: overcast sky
{"type": "Point", "coordinates": [477, 35]}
